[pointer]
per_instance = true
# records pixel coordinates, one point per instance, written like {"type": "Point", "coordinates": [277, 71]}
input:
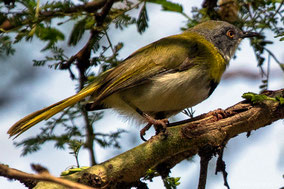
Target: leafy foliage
{"type": "Point", "coordinates": [169, 6]}
{"type": "Point", "coordinates": [52, 35]}
{"type": "Point", "coordinates": [124, 21]}
{"type": "Point", "coordinates": [142, 21]}
{"type": "Point", "coordinates": [75, 145]}
{"type": "Point", "coordinates": [169, 182]}
{"type": "Point", "coordinates": [6, 46]}
{"type": "Point", "coordinates": [79, 29]}
{"type": "Point", "coordinates": [73, 136]}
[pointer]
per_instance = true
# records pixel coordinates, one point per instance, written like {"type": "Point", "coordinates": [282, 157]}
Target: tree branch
{"type": "Point", "coordinates": [30, 180]}
{"type": "Point", "coordinates": [185, 139]}
{"type": "Point", "coordinates": [89, 7]}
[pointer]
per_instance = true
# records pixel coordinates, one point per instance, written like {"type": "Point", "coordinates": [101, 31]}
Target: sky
{"type": "Point", "coordinates": [254, 162]}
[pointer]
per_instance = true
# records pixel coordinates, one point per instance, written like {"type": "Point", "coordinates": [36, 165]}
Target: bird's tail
{"type": "Point", "coordinates": [45, 113]}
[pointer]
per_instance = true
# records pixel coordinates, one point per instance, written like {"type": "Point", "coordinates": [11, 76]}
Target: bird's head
{"type": "Point", "coordinates": [225, 37]}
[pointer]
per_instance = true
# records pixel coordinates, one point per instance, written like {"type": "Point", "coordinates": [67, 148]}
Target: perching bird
{"type": "Point", "coordinates": [158, 80]}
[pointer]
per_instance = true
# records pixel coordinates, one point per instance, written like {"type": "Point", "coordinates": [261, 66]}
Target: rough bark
{"type": "Point", "coordinates": [184, 140]}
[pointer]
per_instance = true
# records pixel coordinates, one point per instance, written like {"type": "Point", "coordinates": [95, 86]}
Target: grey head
{"type": "Point", "coordinates": [226, 37]}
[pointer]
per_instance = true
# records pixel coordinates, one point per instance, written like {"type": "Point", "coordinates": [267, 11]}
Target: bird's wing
{"type": "Point", "coordinates": [171, 54]}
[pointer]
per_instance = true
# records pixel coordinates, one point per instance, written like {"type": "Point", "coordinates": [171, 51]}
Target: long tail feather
{"type": "Point", "coordinates": [45, 113]}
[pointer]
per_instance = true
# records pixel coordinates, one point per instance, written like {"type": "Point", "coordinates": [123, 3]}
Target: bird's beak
{"type": "Point", "coordinates": [249, 34]}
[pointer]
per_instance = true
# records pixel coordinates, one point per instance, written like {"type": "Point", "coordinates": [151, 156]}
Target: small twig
{"type": "Point", "coordinates": [273, 55]}
{"type": "Point", "coordinates": [89, 7]}
{"type": "Point", "coordinates": [278, 9]}
{"type": "Point", "coordinates": [58, 119]}
{"type": "Point", "coordinates": [43, 175]}
{"type": "Point", "coordinates": [221, 167]}
{"type": "Point", "coordinates": [109, 41]}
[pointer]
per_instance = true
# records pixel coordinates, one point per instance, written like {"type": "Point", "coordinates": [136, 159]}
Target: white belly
{"type": "Point", "coordinates": [167, 93]}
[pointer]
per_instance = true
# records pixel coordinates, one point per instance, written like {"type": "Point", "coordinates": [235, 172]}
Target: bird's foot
{"type": "Point", "coordinates": [160, 126]}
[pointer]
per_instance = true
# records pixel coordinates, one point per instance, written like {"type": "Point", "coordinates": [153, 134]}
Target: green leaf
{"type": "Point", "coordinates": [168, 6]}
{"type": "Point", "coordinates": [142, 21]}
{"type": "Point", "coordinates": [171, 182]}
{"type": "Point", "coordinates": [280, 100]}
{"type": "Point", "coordinates": [123, 21]}
{"type": "Point", "coordinates": [257, 98]}
{"type": "Point", "coordinates": [77, 32]}
{"type": "Point", "coordinates": [52, 35]}
{"type": "Point", "coordinates": [6, 48]}
{"type": "Point", "coordinates": [253, 97]}
{"type": "Point", "coordinates": [73, 170]}
{"type": "Point", "coordinates": [150, 174]}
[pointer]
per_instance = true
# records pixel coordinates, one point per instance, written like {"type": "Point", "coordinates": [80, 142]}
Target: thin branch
{"type": "Point", "coordinates": [84, 54]}
{"type": "Point", "coordinates": [11, 173]}
{"type": "Point", "coordinates": [278, 9]}
{"type": "Point", "coordinates": [109, 42]}
{"type": "Point", "coordinates": [89, 7]}
{"type": "Point", "coordinates": [273, 56]}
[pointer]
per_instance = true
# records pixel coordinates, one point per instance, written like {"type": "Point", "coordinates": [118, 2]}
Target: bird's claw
{"type": "Point", "coordinates": [160, 126]}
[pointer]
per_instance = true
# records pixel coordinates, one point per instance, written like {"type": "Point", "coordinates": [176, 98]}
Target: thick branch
{"type": "Point", "coordinates": [184, 140]}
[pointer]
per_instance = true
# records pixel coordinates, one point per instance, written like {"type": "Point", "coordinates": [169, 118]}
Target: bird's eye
{"type": "Point", "coordinates": [230, 34]}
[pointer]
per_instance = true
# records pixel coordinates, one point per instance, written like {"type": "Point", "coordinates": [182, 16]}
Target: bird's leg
{"type": "Point", "coordinates": [160, 125]}
{"type": "Point", "coordinates": [158, 122]}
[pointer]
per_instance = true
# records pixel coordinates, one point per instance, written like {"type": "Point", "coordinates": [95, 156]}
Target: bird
{"type": "Point", "coordinates": [159, 80]}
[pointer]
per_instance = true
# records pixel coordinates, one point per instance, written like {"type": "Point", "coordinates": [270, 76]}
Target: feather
{"type": "Point", "coordinates": [44, 114]}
